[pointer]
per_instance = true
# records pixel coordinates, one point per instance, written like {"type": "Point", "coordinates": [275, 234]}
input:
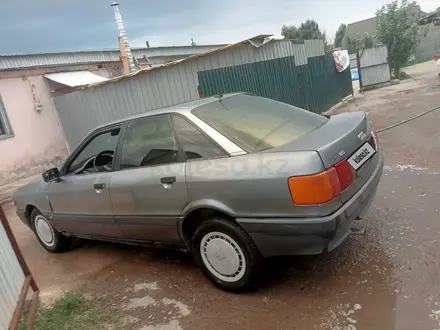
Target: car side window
{"type": "Point", "coordinates": [149, 141]}
{"type": "Point", "coordinates": [194, 143]}
{"type": "Point", "coordinates": [97, 155]}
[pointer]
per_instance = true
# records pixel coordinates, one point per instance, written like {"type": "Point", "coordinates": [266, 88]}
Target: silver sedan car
{"type": "Point", "coordinates": [233, 178]}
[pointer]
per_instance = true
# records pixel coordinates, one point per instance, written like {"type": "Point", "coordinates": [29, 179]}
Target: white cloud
{"type": "Point", "coordinates": [234, 20]}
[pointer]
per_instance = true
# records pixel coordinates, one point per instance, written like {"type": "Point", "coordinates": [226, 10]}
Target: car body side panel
{"type": "Point", "coordinates": [254, 185]}
{"type": "Point", "coordinates": [80, 209]}
{"type": "Point", "coordinates": [209, 204]}
{"type": "Point", "coordinates": [33, 194]}
{"type": "Point", "coordinates": [146, 209]}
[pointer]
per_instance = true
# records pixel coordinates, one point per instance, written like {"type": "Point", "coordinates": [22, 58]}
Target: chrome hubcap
{"type": "Point", "coordinates": [44, 230]}
{"type": "Point", "coordinates": [223, 256]}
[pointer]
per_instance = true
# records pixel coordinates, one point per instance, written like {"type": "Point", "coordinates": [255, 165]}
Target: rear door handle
{"type": "Point", "coordinates": [168, 180]}
{"type": "Point", "coordinates": [99, 186]}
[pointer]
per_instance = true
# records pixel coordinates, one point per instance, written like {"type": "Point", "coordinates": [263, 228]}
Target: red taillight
{"type": "Point", "coordinates": [314, 189]}
{"type": "Point", "coordinates": [345, 173]}
{"type": "Point", "coordinates": [321, 187]}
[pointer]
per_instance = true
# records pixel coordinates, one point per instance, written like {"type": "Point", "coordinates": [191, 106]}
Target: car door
{"type": "Point", "coordinates": [148, 188]}
{"type": "Point", "coordinates": [80, 201]}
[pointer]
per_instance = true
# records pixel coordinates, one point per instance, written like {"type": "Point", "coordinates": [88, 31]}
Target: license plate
{"type": "Point", "coordinates": [363, 154]}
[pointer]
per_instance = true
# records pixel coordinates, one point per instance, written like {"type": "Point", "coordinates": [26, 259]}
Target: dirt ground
{"type": "Point", "coordinates": [387, 279]}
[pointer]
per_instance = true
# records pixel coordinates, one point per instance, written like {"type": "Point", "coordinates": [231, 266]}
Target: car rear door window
{"type": "Point", "coordinates": [257, 123]}
{"type": "Point", "coordinates": [148, 142]}
{"type": "Point", "coordinates": [194, 143]}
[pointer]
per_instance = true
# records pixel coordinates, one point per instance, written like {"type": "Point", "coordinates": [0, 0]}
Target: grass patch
{"type": "Point", "coordinates": [73, 311]}
{"type": "Point", "coordinates": [418, 61]}
{"type": "Point", "coordinates": [402, 76]}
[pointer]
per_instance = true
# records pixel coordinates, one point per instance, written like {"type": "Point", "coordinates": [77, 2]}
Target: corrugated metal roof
{"type": "Point", "coordinates": [20, 61]}
{"type": "Point", "coordinates": [256, 41]}
{"type": "Point", "coordinates": [75, 78]}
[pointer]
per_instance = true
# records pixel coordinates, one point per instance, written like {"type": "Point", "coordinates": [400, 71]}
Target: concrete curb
{"type": "Point", "coordinates": [381, 85]}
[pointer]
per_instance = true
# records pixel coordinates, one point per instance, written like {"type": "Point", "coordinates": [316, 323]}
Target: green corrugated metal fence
{"type": "Point", "coordinates": [316, 86]}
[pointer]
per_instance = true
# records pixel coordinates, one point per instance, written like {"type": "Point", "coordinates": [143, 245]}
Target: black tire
{"type": "Point", "coordinates": [59, 243]}
{"type": "Point", "coordinates": [248, 278]}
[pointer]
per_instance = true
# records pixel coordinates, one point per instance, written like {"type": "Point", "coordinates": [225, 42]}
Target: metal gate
{"type": "Point", "coordinates": [315, 86]}
{"type": "Point", "coordinates": [373, 66]}
{"type": "Point", "coordinates": [15, 280]}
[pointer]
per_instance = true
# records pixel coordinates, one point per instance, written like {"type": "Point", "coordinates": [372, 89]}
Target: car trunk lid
{"type": "Point", "coordinates": [343, 137]}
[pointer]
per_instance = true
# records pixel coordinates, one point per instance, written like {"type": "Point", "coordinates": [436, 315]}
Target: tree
{"type": "Point", "coordinates": [397, 28]}
{"type": "Point", "coordinates": [193, 43]}
{"type": "Point", "coordinates": [290, 32]}
{"type": "Point", "coordinates": [355, 43]}
{"type": "Point", "coordinates": [368, 41]}
{"type": "Point", "coordinates": [349, 45]}
{"type": "Point", "coordinates": [340, 34]}
{"type": "Point", "coordinates": [306, 31]}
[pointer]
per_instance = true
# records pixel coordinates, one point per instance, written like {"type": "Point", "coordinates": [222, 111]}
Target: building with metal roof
{"type": "Point", "coordinates": [157, 55]}
{"type": "Point", "coordinates": [168, 84]}
{"type": "Point", "coordinates": [30, 132]}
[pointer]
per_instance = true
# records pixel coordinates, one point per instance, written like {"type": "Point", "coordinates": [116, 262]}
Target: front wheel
{"type": "Point", "coordinates": [227, 255]}
{"type": "Point", "coordinates": [51, 239]}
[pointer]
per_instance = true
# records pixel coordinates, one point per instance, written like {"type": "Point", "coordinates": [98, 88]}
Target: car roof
{"type": "Point", "coordinates": [178, 108]}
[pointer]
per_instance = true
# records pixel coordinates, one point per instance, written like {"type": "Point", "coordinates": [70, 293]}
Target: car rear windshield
{"type": "Point", "coordinates": [256, 123]}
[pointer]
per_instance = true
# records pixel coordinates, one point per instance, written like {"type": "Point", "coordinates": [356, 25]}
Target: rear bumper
{"type": "Point", "coordinates": [308, 236]}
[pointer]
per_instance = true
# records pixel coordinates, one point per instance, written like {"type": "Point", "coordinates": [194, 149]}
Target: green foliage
{"type": "Point", "coordinates": [340, 34]}
{"type": "Point", "coordinates": [418, 60]}
{"type": "Point", "coordinates": [356, 43]}
{"type": "Point", "coordinates": [73, 311]}
{"type": "Point", "coordinates": [290, 32]}
{"type": "Point", "coordinates": [403, 76]}
{"type": "Point", "coordinates": [397, 28]}
{"type": "Point", "coordinates": [306, 31]}
{"type": "Point", "coordinates": [368, 41]}
{"type": "Point", "coordinates": [353, 44]}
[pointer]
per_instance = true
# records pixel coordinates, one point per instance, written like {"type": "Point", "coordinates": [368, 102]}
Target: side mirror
{"type": "Point", "coordinates": [52, 174]}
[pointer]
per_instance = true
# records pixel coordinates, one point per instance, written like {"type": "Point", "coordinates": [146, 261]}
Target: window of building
{"type": "Point", "coordinates": [5, 127]}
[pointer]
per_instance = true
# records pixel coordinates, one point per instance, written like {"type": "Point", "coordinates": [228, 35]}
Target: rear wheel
{"type": "Point", "coordinates": [227, 255]}
{"type": "Point", "coordinates": [51, 239]}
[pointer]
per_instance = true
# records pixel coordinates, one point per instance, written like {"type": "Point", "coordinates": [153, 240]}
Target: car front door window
{"type": "Point", "coordinates": [97, 155]}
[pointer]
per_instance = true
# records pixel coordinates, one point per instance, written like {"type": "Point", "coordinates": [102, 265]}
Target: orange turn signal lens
{"type": "Point", "coordinates": [316, 188]}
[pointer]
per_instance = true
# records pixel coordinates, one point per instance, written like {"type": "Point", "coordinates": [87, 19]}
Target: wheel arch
{"type": "Point", "coordinates": [198, 212]}
{"type": "Point", "coordinates": [28, 211]}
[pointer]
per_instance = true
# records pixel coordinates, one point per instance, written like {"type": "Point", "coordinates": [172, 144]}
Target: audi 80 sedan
{"type": "Point", "coordinates": [233, 178]}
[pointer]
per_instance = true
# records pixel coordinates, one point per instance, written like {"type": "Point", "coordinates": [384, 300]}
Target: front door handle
{"type": "Point", "coordinates": [168, 180]}
{"type": "Point", "coordinates": [99, 186]}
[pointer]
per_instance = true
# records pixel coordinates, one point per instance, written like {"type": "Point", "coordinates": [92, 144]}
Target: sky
{"type": "Point", "coordinates": [59, 25]}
